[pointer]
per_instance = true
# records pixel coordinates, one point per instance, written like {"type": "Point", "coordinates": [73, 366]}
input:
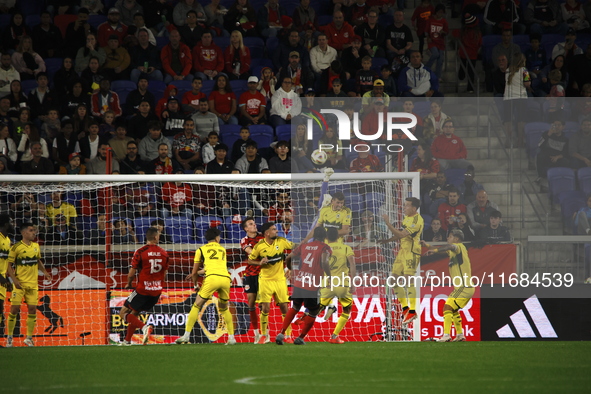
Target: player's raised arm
{"type": "Point", "coordinates": [398, 234]}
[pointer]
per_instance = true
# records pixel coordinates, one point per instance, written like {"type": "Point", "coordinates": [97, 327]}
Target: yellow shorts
{"type": "Point", "coordinates": [459, 297]}
{"type": "Point", "coordinates": [30, 294]}
{"type": "Point", "coordinates": [342, 293]}
{"type": "Point", "coordinates": [214, 283]}
{"type": "Point", "coordinates": [276, 289]}
{"type": "Point", "coordinates": [406, 263]}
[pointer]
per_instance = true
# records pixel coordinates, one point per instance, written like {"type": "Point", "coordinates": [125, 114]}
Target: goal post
{"type": "Point", "coordinates": [112, 212]}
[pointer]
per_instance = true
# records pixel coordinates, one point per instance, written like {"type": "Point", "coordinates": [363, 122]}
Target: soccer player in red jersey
{"type": "Point", "coordinates": [152, 263]}
{"type": "Point", "coordinates": [250, 278]}
{"type": "Point", "coordinates": [307, 279]}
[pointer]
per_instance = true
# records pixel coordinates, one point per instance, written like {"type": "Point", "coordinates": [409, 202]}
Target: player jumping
{"type": "Point", "coordinates": [251, 274]}
{"type": "Point", "coordinates": [152, 263]}
{"type": "Point", "coordinates": [217, 279]}
{"type": "Point", "coordinates": [314, 258]}
{"type": "Point", "coordinates": [460, 271]}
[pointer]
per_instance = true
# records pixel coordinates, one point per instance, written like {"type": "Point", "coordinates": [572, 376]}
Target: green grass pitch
{"type": "Point", "coordinates": [470, 367]}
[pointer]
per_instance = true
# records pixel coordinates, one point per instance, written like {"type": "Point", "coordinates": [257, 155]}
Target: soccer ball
{"type": "Point", "coordinates": [319, 157]}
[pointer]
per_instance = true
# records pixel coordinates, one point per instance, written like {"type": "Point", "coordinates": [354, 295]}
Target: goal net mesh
{"type": "Point", "coordinates": [88, 233]}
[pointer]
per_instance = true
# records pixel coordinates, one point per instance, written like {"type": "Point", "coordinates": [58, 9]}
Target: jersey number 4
{"type": "Point", "coordinates": [155, 265]}
{"type": "Point", "coordinates": [308, 260]}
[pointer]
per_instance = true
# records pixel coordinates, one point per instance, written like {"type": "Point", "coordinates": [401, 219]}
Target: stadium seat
{"type": "Point", "coordinates": [202, 223]}
{"type": "Point", "coordinates": [290, 6]}
{"type": "Point", "coordinates": [427, 219]}
{"type": "Point", "coordinates": [52, 64]}
{"type": "Point", "coordinates": [256, 46]}
{"type": "Point", "coordinates": [180, 229]}
{"type": "Point", "coordinates": [230, 133]}
{"type": "Point", "coordinates": [533, 133]}
{"type": "Point", "coordinates": [455, 176]}
{"type": "Point", "coordinates": [222, 42]}
{"type": "Point", "coordinates": [161, 42]}
{"type": "Point", "coordinates": [374, 201]}
{"type": "Point", "coordinates": [96, 20]}
{"type": "Point", "coordinates": [355, 202]}
{"type": "Point", "coordinates": [33, 20]}
{"type": "Point", "coordinates": [239, 86]}
{"type": "Point", "coordinates": [386, 20]}
{"type": "Point", "coordinates": [569, 194]}
{"type": "Point", "coordinates": [568, 207]}
{"type": "Point", "coordinates": [272, 44]}
{"type": "Point", "coordinates": [283, 132]}
{"type": "Point", "coordinates": [30, 7]}
{"type": "Point", "coordinates": [62, 22]}
{"type": "Point", "coordinates": [488, 43]}
{"type": "Point", "coordinates": [571, 128]}
{"type": "Point", "coordinates": [182, 87]}
{"type": "Point", "coordinates": [560, 179]}
{"type": "Point", "coordinates": [123, 88]}
{"type": "Point", "coordinates": [523, 41]}
{"type": "Point", "coordinates": [5, 19]}
{"type": "Point", "coordinates": [141, 225]}
{"type": "Point", "coordinates": [234, 232]}
{"type": "Point", "coordinates": [584, 178]}
{"type": "Point", "coordinates": [157, 88]}
{"type": "Point", "coordinates": [207, 87]}
{"type": "Point", "coordinates": [383, 156]}
{"type": "Point", "coordinates": [28, 85]}
{"type": "Point", "coordinates": [422, 108]}
{"type": "Point", "coordinates": [324, 20]}
{"type": "Point", "coordinates": [378, 62]}
{"type": "Point", "coordinates": [262, 134]}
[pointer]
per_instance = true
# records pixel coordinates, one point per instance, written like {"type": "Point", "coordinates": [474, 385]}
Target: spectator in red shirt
{"type": "Point", "coordinates": [365, 161]}
{"type": "Point", "coordinates": [448, 211]}
{"type": "Point", "coordinates": [339, 32]}
{"type": "Point", "coordinates": [426, 165]}
{"type": "Point", "coordinates": [104, 100]}
{"type": "Point", "coordinates": [269, 18]}
{"type": "Point", "coordinates": [357, 12]}
{"type": "Point", "coordinates": [420, 20]}
{"type": "Point", "coordinates": [177, 198]}
{"type": "Point", "coordinates": [449, 149]}
{"type": "Point", "coordinates": [208, 58]}
{"type": "Point", "coordinates": [177, 61]}
{"type": "Point", "coordinates": [222, 101]}
{"type": "Point", "coordinates": [252, 104]}
{"type": "Point", "coordinates": [191, 98]}
{"type": "Point", "coordinates": [111, 26]}
{"type": "Point", "coordinates": [237, 57]}
{"type": "Point", "coordinates": [436, 32]}
{"type": "Point", "coordinates": [471, 38]}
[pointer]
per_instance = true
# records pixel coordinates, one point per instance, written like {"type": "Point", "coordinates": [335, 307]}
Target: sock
{"type": "Point", "coordinates": [31, 322]}
{"type": "Point", "coordinates": [227, 315]}
{"type": "Point", "coordinates": [447, 319]}
{"type": "Point", "coordinates": [287, 319]}
{"type": "Point", "coordinates": [401, 295]}
{"type": "Point", "coordinates": [11, 323]}
{"type": "Point", "coordinates": [288, 329]}
{"type": "Point", "coordinates": [134, 321]}
{"type": "Point", "coordinates": [193, 316]}
{"type": "Point", "coordinates": [458, 323]}
{"type": "Point", "coordinates": [343, 319]}
{"type": "Point", "coordinates": [308, 323]}
{"type": "Point", "coordinates": [412, 300]}
{"type": "Point", "coordinates": [264, 322]}
{"type": "Point", "coordinates": [254, 318]}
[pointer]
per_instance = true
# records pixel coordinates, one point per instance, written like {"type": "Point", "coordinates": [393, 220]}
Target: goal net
{"type": "Point", "coordinates": [90, 226]}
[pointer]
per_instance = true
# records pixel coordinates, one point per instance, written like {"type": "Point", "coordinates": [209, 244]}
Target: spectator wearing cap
{"type": "Point", "coordinates": [301, 77]}
{"type": "Point", "coordinates": [135, 97]}
{"type": "Point", "coordinates": [111, 26]}
{"type": "Point", "coordinates": [415, 80]}
{"type": "Point", "coordinates": [205, 121]}
{"type": "Point", "coordinates": [339, 32]}
{"type": "Point", "coordinates": [220, 164]}
{"type": "Point", "coordinates": [335, 71]}
{"type": "Point", "coordinates": [308, 102]}
{"type": "Point", "coordinates": [471, 38]}
{"type": "Point", "coordinates": [148, 148]}
{"type": "Point", "coordinates": [252, 104]}
{"type": "Point", "coordinates": [281, 57]}
{"type": "Point", "coordinates": [251, 162]}
{"type": "Point", "coordinates": [398, 39]}
{"type": "Point", "coordinates": [351, 57]}
{"type": "Point", "coordinates": [437, 30]}
{"type": "Point", "coordinates": [376, 92]}
{"type": "Point", "coordinates": [191, 31]}
{"type": "Point", "coordinates": [98, 165]}
{"type": "Point", "coordinates": [500, 15]}
{"type": "Point", "coordinates": [186, 146]}
{"type": "Point", "coordinates": [237, 57]}
{"type": "Point", "coordinates": [177, 60]}
{"type": "Point", "coordinates": [173, 117]}
{"type": "Point", "coordinates": [356, 13]}
{"type": "Point", "coordinates": [449, 149]}
{"type": "Point", "coordinates": [281, 162]}
{"type": "Point", "coordinates": [269, 18]}
{"type": "Point", "coordinates": [285, 104]}
{"type": "Point", "coordinates": [545, 17]}
{"type": "Point", "coordinates": [568, 48]}
{"type": "Point", "coordinates": [286, 27]}
{"type": "Point", "coordinates": [208, 58]}
{"type": "Point", "coordinates": [145, 59]}
{"type": "Point", "coordinates": [38, 164]}
{"type": "Point", "coordinates": [105, 99]}
{"type": "Point", "coordinates": [128, 9]}
{"type": "Point", "coordinates": [117, 60]}
{"type": "Point", "coordinates": [73, 167]}
{"type": "Point", "coordinates": [322, 55]}
{"type": "Point", "coordinates": [372, 34]}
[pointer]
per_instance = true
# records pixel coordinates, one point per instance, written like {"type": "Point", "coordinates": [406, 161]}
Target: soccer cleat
{"type": "Point", "coordinates": [459, 338]}
{"type": "Point", "coordinates": [336, 341]}
{"type": "Point", "coordinates": [231, 340]}
{"type": "Point", "coordinates": [29, 342]}
{"type": "Point", "coordinates": [124, 343]}
{"type": "Point", "coordinates": [263, 339]}
{"type": "Point", "coordinates": [410, 316]}
{"type": "Point", "coordinates": [299, 341]}
{"type": "Point", "coordinates": [444, 338]}
{"type": "Point", "coordinates": [257, 337]}
{"type": "Point", "coordinates": [9, 342]}
{"type": "Point", "coordinates": [280, 339]}
{"type": "Point", "coordinates": [182, 340]}
{"type": "Point", "coordinates": [329, 311]}
{"type": "Point", "coordinates": [288, 339]}
{"type": "Point", "coordinates": [268, 339]}
{"type": "Point", "coordinates": [147, 331]}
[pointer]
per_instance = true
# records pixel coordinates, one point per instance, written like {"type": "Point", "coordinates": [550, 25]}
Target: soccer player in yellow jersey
{"type": "Point", "coordinates": [217, 278]}
{"type": "Point", "coordinates": [460, 271]}
{"type": "Point", "coordinates": [6, 228]}
{"type": "Point", "coordinates": [409, 255]}
{"type": "Point", "coordinates": [269, 253]}
{"type": "Point", "coordinates": [342, 265]}
{"type": "Point", "coordinates": [26, 257]}
{"type": "Point", "coordinates": [336, 215]}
